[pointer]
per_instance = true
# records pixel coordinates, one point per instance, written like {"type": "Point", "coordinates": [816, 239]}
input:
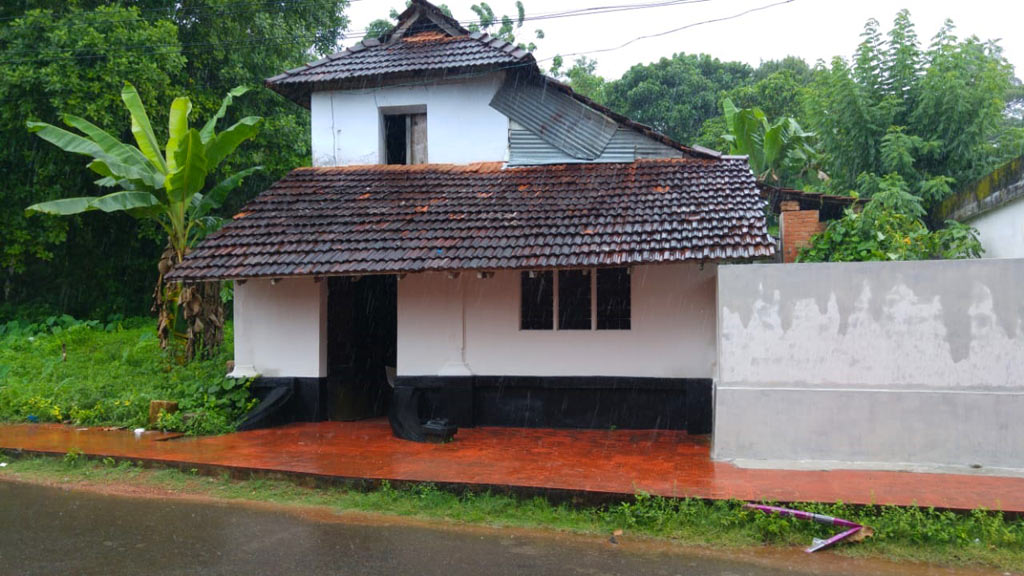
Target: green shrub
{"type": "Point", "coordinates": [890, 228]}
{"type": "Point", "coordinates": [106, 373]}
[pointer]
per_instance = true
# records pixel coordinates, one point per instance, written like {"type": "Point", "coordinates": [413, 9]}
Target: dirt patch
{"type": "Point", "coordinates": [109, 488]}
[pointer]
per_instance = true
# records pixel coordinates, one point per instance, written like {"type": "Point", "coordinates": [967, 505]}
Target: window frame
{"type": "Point", "coordinates": [627, 318]}
{"type": "Point", "coordinates": [408, 112]}
{"type": "Point", "coordinates": [556, 304]}
{"type": "Point", "coordinates": [554, 300]}
{"type": "Point", "coordinates": [560, 315]}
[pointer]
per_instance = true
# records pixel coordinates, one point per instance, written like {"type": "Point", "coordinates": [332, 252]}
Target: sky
{"type": "Point", "coordinates": [811, 29]}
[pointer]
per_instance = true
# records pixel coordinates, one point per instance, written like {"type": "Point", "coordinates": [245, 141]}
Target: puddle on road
{"type": "Point", "coordinates": [225, 537]}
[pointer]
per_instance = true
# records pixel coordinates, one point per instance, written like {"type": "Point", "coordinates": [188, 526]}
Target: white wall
{"type": "Point", "coordinates": [280, 330]}
{"type": "Point", "coordinates": [462, 128]}
{"type": "Point", "coordinates": [672, 335]}
{"type": "Point", "coordinates": [874, 364]}
{"type": "Point", "coordinates": [1001, 230]}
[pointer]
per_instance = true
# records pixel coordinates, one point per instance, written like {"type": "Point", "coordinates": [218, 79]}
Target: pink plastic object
{"type": "Point", "coordinates": [851, 527]}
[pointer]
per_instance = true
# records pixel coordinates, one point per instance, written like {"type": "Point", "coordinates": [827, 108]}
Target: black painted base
{"type": "Point", "coordinates": [556, 402]}
{"type": "Point", "coordinates": [529, 402]}
{"type": "Point", "coordinates": [286, 400]}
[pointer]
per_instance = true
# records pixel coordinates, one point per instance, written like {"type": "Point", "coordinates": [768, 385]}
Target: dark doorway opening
{"type": "Point", "coordinates": [405, 138]}
{"type": "Point", "coordinates": [396, 139]}
{"type": "Point", "coordinates": [362, 344]}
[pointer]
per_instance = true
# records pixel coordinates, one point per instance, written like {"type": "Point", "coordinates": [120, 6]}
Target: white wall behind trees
{"type": "Point", "coordinates": [1001, 230]}
{"type": "Point", "coordinates": [462, 128]}
{"type": "Point", "coordinates": [470, 325]}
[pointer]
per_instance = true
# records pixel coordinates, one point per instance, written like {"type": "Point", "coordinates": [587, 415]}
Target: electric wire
{"type": "Point", "coordinates": [532, 62]}
{"type": "Point", "coordinates": [589, 11]}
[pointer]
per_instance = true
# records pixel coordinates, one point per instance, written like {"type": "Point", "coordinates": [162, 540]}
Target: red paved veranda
{"type": "Point", "coordinates": [599, 462]}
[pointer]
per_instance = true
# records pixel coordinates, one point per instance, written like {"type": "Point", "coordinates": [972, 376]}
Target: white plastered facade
{"type": "Point", "coordinates": [470, 325]}
{"type": "Point", "coordinates": [281, 328]}
{"type": "Point", "coordinates": [462, 128]}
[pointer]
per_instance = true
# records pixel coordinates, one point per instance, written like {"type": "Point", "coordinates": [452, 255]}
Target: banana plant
{"type": "Point", "coordinates": [772, 148]}
{"type": "Point", "coordinates": [164, 186]}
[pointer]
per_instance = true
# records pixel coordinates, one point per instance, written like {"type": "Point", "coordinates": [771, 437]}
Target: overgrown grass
{"type": "Point", "coordinates": [979, 538]}
{"type": "Point", "coordinates": [94, 373]}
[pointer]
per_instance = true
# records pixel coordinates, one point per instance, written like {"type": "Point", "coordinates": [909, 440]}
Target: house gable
{"type": "Point", "coordinates": [425, 46]}
{"type": "Point", "coordinates": [430, 58]}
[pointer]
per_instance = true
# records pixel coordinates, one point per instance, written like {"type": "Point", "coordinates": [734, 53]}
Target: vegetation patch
{"type": "Point", "coordinates": [106, 373]}
{"type": "Point", "coordinates": [979, 538]}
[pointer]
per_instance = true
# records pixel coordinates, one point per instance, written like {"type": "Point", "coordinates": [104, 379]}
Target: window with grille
{"type": "Point", "coordinates": [537, 301]}
{"type": "Point", "coordinates": [586, 299]}
{"type": "Point", "coordinates": [613, 299]}
{"type": "Point", "coordinates": [574, 299]}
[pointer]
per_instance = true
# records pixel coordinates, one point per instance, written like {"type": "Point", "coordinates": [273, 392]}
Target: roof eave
{"type": "Point", "coordinates": [300, 92]}
{"type": "Point", "coordinates": [761, 253]}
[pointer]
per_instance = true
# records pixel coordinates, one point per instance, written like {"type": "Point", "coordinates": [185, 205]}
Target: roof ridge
{"type": "Point", "coordinates": [430, 167]}
{"type": "Point", "coordinates": [484, 167]}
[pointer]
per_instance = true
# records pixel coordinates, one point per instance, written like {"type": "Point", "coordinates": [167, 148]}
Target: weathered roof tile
{"type": "Point", "coordinates": [374, 219]}
{"type": "Point", "coordinates": [425, 52]}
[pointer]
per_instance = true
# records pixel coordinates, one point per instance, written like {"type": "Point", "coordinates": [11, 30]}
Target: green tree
{"type": "Point", "coordinates": [507, 26]}
{"type": "Point", "coordinates": [778, 89]}
{"type": "Point", "coordinates": [381, 27]}
{"type": "Point", "coordinates": [56, 55]}
{"type": "Point", "coordinates": [779, 152]}
{"type": "Point", "coordinates": [902, 64]}
{"type": "Point", "coordinates": [675, 95]}
{"type": "Point", "coordinates": [230, 43]}
{"type": "Point", "coordinates": [932, 119]}
{"type": "Point", "coordinates": [582, 78]}
{"type": "Point", "coordinates": [41, 76]}
{"type": "Point", "coordinates": [166, 187]}
{"type": "Point", "coordinates": [890, 228]}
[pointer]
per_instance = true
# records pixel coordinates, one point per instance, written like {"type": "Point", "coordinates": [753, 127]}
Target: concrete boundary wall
{"type": "Point", "coordinates": [875, 364]}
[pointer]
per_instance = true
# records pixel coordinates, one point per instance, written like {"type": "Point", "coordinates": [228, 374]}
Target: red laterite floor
{"type": "Point", "coordinates": [599, 462]}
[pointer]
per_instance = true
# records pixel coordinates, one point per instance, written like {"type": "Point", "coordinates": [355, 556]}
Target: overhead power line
{"type": "Point", "coordinates": [680, 29]}
{"type": "Point", "coordinates": [468, 75]}
{"type": "Point", "coordinates": [244, 7]}
{"type": "Point", "coordinates": [149, 49]}
{"type": "Point", "coordinates": [152, 49]}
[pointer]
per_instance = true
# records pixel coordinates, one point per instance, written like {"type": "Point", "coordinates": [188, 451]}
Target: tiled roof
{"type": "Point", "coordinates": [395, 219]}
{"type": "Point", "coordinates": [423, 52]}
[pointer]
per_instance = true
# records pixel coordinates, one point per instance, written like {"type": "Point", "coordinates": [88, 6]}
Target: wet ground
{"type": "Point", "coordinates": [47, 530]}
{"type": "Point", "coordinates": [583, 462]}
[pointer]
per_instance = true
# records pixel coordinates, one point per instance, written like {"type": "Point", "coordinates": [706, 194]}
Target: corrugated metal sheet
{"type": "Point", "coordinates": [626, 145]}
{"type": "Point", "coordinates": [557, 118]}
{"type": "Point", "coordinates": [650, 148]}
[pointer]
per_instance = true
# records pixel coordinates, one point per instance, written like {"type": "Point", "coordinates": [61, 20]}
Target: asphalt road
{"type": "Point", "coordinates": [54, 531]}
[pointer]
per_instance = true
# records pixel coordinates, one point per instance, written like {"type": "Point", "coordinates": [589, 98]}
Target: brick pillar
{"type": "Point", "coordinates": [796, 227]}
